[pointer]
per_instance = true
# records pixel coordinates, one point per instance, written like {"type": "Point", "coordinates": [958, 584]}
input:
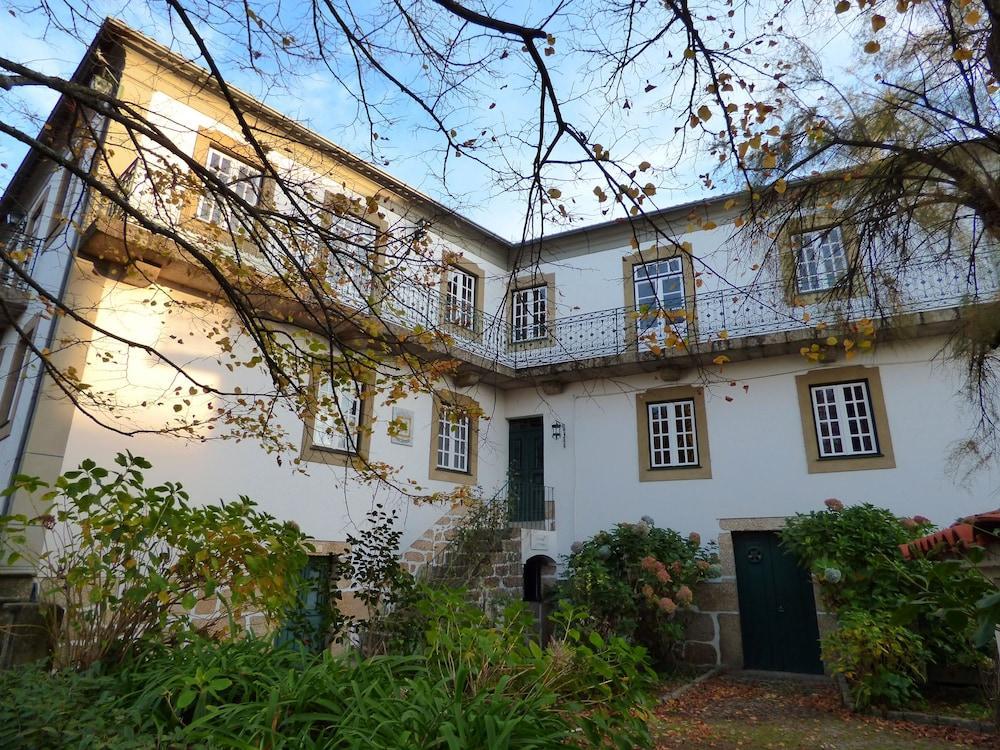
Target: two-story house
{"type": "Point", "coordinates": [618, 370]}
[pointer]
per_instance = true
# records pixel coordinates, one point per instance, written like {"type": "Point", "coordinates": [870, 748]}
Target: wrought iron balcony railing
{"type": "Point", "coordinates": [919, 285]}
{"type": "Point", "coordinates": [17, 249]}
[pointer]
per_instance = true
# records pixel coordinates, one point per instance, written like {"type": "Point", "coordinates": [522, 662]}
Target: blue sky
{"type": "Point", "coordinates": [313, 97]}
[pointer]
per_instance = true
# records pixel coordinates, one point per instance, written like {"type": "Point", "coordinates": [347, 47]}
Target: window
{"type": "Point", "coordinates": [335, 433]}
{"type": "Point", "coordinates": [32, 230]}
{"type": "Point", "coordinates": [339, 430]}
{"type": "Point", "coordinates": [530, 313]}
{"type": "Point", "coordinates": [453, 441]}
{"type": "Point", "coordinates": [821, 261]}
{"type": "Point", "coordinates": [8, 398]}
{"type": "Point", "coordinates": [460, 299]}
{"type": "Point", "coordinates": [844, 424]}
{"type": "Point", "coordinates": [60, 207]}
{"type": "Point", "coordinates": [239, 177]}
{"type": "Point", "coordinates": [672, 434]}
{"type": "Point", "coordinates": [659, 286]}
{"type": "Point", "coordinates": [351, 254]}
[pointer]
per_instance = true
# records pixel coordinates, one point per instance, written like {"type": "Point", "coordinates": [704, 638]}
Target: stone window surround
{"type": "Point", "coordinates": [672, 393]}
{"type": "Point", "coordinates": [655, 253]}
{"type": "Point", "coordinates": [530, 281]}
{"type": "Point", "coordinates": [830, 376]}
{"type": "Point", "coordinates": [479, 303]}
{"type": "Point", "coordinates": [331, 456]}
{"type": "Point", "coordinates": [469, 477]}
{"type": "Point", "coordinates": [789, 249]}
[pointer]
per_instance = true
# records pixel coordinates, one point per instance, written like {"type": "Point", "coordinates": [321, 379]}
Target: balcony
{"type": "Point", "coordinates": [724, 319]}
{"type": "Point", "coordinates": [17, 250]}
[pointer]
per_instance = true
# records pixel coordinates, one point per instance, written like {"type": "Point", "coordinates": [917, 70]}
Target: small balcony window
{"type": "Point", "coordinates": [530, 313]}
{"type": "Point", "coordinates": [821, 261]}
{"type": "Point", "coordinates": [242, 179]}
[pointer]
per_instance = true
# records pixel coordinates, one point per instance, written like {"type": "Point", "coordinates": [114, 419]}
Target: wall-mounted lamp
{"type": "Point", "coordinates": [559, 432]}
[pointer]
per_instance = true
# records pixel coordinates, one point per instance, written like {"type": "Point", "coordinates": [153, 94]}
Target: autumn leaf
{"type": "Point", "coordinates": [704, 112]}
{"type": "Point", "coordinates": [780, 186]}
{"type": "Point", "coordinates": [878, 22]}
{"type": "Point", "coordinates": [962, 54]}
{"type": "Point", "coordinates": [872, 47]}
{"type": "Point", "coordinates": [721, 360]}
{"type": "Point", "coordinates": [770, 161]}
{"type": "Point", "coordinates": [842, 7]}
{"type": "Point", "coordinates": [555, 193]}
{"type": "Point", "coordinates": [831, 340]}
{"type": "Point", "coordinates": [972, 17]}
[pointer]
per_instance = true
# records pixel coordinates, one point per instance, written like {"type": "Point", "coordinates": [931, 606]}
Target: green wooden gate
{"type": "Point", "coordinates": [777, 606]}
{"type": "Point", "coordinates": [527, 469]}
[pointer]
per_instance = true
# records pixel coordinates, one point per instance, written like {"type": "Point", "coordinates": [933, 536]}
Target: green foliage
{"type": "Point", "coordinates": [467, 684]}
{"type": "Point", "coordinates": [635, 580]}
{"type": "Point", "coordinates": [883, 662]}
{"type": "Point", "coordinates": [127, 562]}
{"type": "Point", "coordinates": [854, 555]}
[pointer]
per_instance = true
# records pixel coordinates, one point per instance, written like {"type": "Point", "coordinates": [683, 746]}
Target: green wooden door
{"type": "Point", "coordinates": [777, 607]}
{"type": "Point", "coordinates": [527, 469]}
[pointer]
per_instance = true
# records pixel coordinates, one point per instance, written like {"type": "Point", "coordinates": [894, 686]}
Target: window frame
{"type": "Point", "coordinates": [672, 434]}
{"type": "Point", "coordinates": [843, 419]}
{"type": "Point", "coordinates": [206, 198]}
{"type": "Point", "coordinates": [320, 452]}
{"type": "Point", "coordinates": [879, 419]}
{"type": "Point", "coordinates": [441, 402]}
{"type": "Point", "coordinates": [526, 284]}
{"type": "Point", "coordinates": [467, 267]}
{"type": "Point", "coordinates": [10, 395]}
{"type": "Point", "coordinates": [816, 237]}
{"type": "Point", "coordinates": [648, 472]}
{"type": "Point", "coordinates": [852, 285]}
{"type": "Point", "coordinates": [689, 323]}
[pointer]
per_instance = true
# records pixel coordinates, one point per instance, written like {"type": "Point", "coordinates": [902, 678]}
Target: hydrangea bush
{"type": "Point", "coordinates": [896, 616]}
{"type": "Point", "coordinates": [636, 581]}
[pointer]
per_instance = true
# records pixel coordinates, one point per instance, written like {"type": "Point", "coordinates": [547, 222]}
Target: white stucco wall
{"type": "Point", "coordinates": [757, 450]}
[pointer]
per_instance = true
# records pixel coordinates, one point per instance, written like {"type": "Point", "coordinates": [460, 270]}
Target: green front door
{"type": "Point", "coordinates": [777, 607]}
{"type": "Point", "coordinates": [526, 469]}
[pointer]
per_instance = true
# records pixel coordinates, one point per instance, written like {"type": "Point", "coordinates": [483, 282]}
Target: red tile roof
{"type": "Point", "coordinates": [971, 531]}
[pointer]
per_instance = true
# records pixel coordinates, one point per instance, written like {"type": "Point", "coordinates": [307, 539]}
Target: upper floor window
{"type": "Point", "coordinates": [673, 437]}
{"type": "Point", "coordinates": [341, 430]}
{"type": "Point", "coordinates": [530, 313]}
{"type": "Point", "coordinates": [844, 422]}
{"type": "Point", "coordinates": [453, 432]}
{"type": "Point", "coordinates": [460, 298]}
{"type": "Point", "coordinates": [821, 260]}
{"type": "Point", "coordinates": [659, 287]}
{"type": "Point", "coordinates": [241, 178]}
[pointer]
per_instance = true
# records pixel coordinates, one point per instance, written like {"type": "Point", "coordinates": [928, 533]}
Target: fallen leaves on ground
{"type": "Point", "coordinates": [730, 712]}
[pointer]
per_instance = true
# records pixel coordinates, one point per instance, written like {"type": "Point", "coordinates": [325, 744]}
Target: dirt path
{"type": "Point", "coordinates": [729, 713]}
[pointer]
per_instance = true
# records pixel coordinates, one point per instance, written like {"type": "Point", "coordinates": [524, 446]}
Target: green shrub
{"type": "Point", "coordinates": [635, 580]}
{"type": "Point", "coordinates": [883, 663]}
{"type": "Point", "coordinates": [126, 562]}
{"type": "Point", "coordinates": [467, 684]}
{"type": "Point", "coordinates": [925, 603]}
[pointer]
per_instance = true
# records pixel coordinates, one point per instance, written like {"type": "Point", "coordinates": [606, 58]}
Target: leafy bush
{"type": "Point", "coordinates": [634, 580]}
{"type": "Point", "coordinates": [881, 661]}
{"type": "Point", "coordinates": [854, 555]}
{"type": "Point", "coordinates": [126, 562]}
{"type": "Point", "coordinates": [466, 685]}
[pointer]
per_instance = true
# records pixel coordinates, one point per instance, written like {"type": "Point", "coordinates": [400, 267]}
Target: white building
{"type": "Point", "coordinates": [598, 426]}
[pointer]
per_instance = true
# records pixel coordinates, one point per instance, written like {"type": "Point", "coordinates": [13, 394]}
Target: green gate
{"type": "Point", "coordinates": [527, 470]}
